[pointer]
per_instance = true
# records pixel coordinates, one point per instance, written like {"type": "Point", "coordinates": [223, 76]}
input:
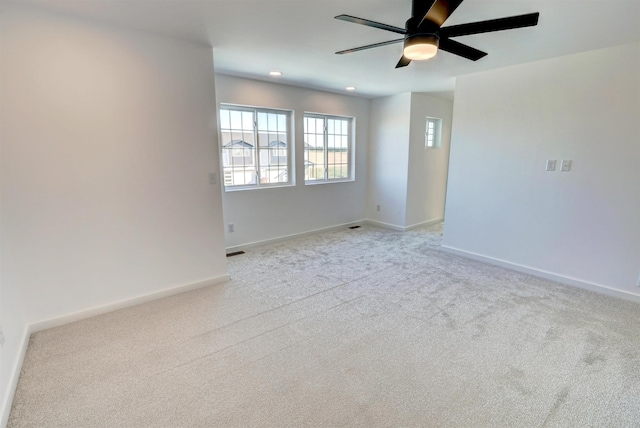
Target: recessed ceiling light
{"type": "Point", "coordinates": [275, 73]}
{"type": "Point", "coordinates": [350, 88]}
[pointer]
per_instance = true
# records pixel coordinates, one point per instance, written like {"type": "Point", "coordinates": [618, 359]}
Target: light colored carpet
{"type": "Point", "coordinates": [366, 327]}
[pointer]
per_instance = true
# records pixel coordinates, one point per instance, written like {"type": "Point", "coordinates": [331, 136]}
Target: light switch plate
{"type": "Point", "coordinates": [212, 178]}
{"type": "Point", "coordinates": [551, 165]}
{"type": "Point", "coordinates": [565, 166]}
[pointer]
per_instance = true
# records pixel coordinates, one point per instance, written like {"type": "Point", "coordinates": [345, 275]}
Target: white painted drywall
{"type": "Point", "coordinates": [389, 159]}
{"type": "Point", "coordinates": [108, 136]}
{"type": "Point", "coordinates": [428, 167]}
{"type": "Point", "coordinates": [271, 213]}
{"type": "Point", "coordinates": [407, 181]}
{"type": "Point", "coordinates": [502, 204]}
{"type": "Point", "coordinates": [3, 376]}
{"type": "Point", "coordinates": [14, 325]}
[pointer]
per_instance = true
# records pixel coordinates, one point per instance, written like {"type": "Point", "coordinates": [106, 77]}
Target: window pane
{"type": "Point", "coordinates": [314, 149]}
{"type": "Point", "coordinates": [263, 139]}
{"type": "Point", "coordinates": [272, 134]}
{"type": "Point", "coordinates": [225, 122]}
{"type": "Point", "coordinates": [262, 121]}
{"type": "Point", "coordinates": [247, 120]}
{"type": "Point", "coordinates": [271, 122]}
{"type": "Point", "coordinates": [236, 119]}
{"type": "Point", "coordinates": [326, 149]}
{"type": "Point", "coordinates": [254, 146]}
{"type": "Point", "coordinates": [432, 133]}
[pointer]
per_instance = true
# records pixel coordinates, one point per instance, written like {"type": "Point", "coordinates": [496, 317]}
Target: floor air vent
{"type": "Point", "coordinates": [237, 253]}
{"type": "Point", "coordinates": [354, 227]}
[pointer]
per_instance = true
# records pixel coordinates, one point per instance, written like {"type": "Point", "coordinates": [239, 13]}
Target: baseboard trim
{"type": "Point", "coordinates": [385, 225]}
{"type": "Point", "coordinates": [405, 228]}
{"type": "Point", "coordinates": [110, 307]}
{"type": "Point", "coordinates": [14, 376]}
{"type": "Point", "coordinates": [563, 279]}
{"type": "Point", "coordinates": [424, 223]}
{"type": "Point", "coordinates": [249, 245]}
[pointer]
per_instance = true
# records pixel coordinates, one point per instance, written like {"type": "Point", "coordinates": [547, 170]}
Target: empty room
{"type": "Point", "coordinates": [268, 213]}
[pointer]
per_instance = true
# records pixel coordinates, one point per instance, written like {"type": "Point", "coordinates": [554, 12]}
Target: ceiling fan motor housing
{"type": "Point", "coordinates": [417, 24]}
{"type": "Point", "coordinates": [425, 33]}
{"type": "Point", "coordinates": [421, 38]}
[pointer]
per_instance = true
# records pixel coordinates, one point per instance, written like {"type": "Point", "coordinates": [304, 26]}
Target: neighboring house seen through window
{"type": "Point", "coordinates": [327, 148]}
{"type": "Point", "coordinates": [255, 146]}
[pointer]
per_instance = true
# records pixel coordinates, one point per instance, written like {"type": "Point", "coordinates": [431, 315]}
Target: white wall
{"type": "Point", "coordinates": [427, 176]}
{"type": "Point", "coordinates": [389, 159]}
{"type": "Point", "coordinates": [581, 227]}
{"type": "Point", "coordinates": [271, 213]}
{"type": "Point", "coordinates": [107, 137]}
{"type": "Point", "coordinates": [408, 181]}
{"type": "Point", "coordinates": [3, 376]}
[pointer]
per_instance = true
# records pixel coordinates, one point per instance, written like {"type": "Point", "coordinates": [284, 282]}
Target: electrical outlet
{"type": "Point", "coordinates": [565, 166]}
{"type": "Point", "coordinates": [231, 228]}
{"type": "Point", "coordinates": [212, 178]}
{"type": "Point", "coordinates": [551, 165]}
{"type": "Point", "coordinates": [1, 337]}
{"type": "Point", "coordinates": [378, 208]}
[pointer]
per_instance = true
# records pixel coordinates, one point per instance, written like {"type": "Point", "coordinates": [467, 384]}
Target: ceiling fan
{"type": "Point", "coordinates": [424, 34]}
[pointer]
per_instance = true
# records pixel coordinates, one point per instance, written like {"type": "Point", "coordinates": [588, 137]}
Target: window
{"type": "Point", "coordinates": [327, 148]}
{"type": "Point", "coordinates": [255, 146]}
{"type": "Point", "coordinates": [432, 134]}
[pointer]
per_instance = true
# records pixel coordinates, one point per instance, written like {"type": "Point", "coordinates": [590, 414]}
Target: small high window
{"type": "Point", "coordinates": [432, 134]}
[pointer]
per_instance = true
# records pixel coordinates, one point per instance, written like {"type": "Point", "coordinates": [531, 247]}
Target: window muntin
{"type": "Point", "coordinates": [327, 148]}
{"type": "Point", "coordinates": [432, 133]}
{"type": "Point", "coordinates": [255, 146]}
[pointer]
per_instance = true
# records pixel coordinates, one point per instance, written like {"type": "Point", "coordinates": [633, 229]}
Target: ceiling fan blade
{"type": "Point", "coordinates": [459, 49]}
{"type": "Point", "coordinates": [373, 24]}
{"type": "Point", "coordinates": [440, 11]}
{"type": "Point", "coordinates": [420, 8]}
{"type": "Point", "coordinates": [404, 61]}
{"type": "Point", "coordinates": [528, 20]}
{"type": "Point", "coordinates": [375, 45]}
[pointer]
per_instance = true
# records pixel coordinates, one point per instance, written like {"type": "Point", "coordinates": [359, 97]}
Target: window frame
{"type": "Point", "coordinates": [437, 132]}
{"type": "Point", "coordinates": [350, 176]}
{"type": "Point", "coordinates": [256, 166]}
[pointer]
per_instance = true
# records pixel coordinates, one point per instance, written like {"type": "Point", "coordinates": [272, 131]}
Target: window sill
{"type": "Point", "coordinates": [263, 187]}
{"type": "Point", "coordinates": [314, 183]}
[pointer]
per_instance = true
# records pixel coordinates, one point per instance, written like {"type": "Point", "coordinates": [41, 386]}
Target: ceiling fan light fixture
{"type": "Point", "coordinates": [421, 47]}
{"type": "Point", "coordinates": [423, 31]}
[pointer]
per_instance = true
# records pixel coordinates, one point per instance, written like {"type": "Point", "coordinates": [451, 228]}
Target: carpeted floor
{"type": "Point", "coordinates": [366, 327]}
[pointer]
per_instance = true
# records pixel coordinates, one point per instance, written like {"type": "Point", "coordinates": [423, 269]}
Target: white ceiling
{"type": "Point", "coordinates": [299, 37]}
